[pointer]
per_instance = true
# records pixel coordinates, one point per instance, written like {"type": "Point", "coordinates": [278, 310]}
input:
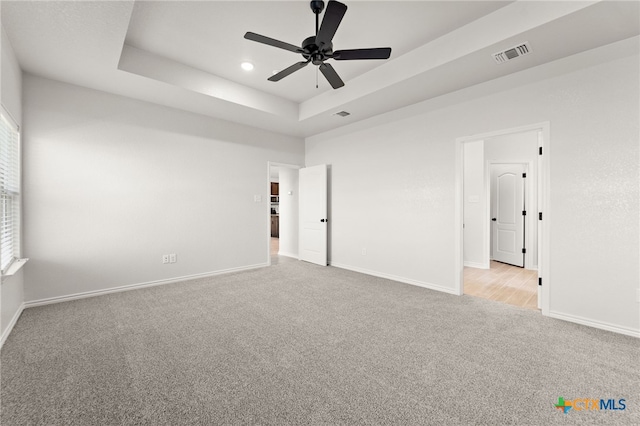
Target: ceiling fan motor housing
{"type": "Point", "coordinates": [313, 53]}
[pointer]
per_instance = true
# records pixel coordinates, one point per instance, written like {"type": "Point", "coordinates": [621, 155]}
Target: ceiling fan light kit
{"type": "Point", "coordinates": [319, 47]}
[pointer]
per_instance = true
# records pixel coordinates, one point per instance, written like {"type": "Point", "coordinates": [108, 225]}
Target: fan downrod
{"type": "Point", "coordinates": [311, 51]}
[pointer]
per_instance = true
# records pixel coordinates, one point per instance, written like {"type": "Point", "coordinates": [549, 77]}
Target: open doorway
{"type": "Point", "coordinates": [501, 187]}
{"type": "Point", "coordinates": [510, 278]}
{"type": "Point", "coordinates": [282, 213]}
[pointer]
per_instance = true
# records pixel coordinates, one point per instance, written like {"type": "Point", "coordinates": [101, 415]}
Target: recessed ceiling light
{"type": "Point", "coordinates": [247, 66]}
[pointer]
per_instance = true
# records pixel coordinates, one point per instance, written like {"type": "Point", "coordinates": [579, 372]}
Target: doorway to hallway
{"type": "Point", "coordinates": [282, 211]}
{"type": "Point", "coordinates": [478, 271]}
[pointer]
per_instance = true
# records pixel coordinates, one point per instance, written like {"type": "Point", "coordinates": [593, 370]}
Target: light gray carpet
{"type": "Point", "coordinates": [301, 344]}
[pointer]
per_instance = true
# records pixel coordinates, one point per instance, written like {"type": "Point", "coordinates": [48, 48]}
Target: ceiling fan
{"type": "Point", "coordinates": [319, 47]}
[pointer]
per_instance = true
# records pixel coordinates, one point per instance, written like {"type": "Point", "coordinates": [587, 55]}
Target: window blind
{"type": "Point", "coordinates": [9, 191]}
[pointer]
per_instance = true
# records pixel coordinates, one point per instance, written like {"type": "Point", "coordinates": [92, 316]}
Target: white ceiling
{"type": "Point", "coordinates": [187, 54]}
{"type": "Point", "coordinates": [214, 41]}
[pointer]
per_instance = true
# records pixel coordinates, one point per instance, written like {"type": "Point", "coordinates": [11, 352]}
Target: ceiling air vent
{"type": "Point", "coordinates": [342, 113]}
{"type": "Point", "coordinates": [512, 53]}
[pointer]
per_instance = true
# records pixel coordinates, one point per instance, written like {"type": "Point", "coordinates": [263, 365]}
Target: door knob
{"type": "Point", "coordinates": [493, 219]}
{"type": "Point", "coordinates": [321, 220]}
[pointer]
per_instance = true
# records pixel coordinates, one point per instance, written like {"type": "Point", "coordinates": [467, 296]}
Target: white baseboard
{"type": "Point", "coordinates": [12, 323]}
{"type": "Point", "coordinates": [283, 253]}
{"type": "Point", "coordinates": [395, 278]}
{"type": "Point", "coordinates": [476, 265]}
{"type": "Point", "coordinates": [83, 295]}
{"type": "Point", "coordinates": [596, 324]}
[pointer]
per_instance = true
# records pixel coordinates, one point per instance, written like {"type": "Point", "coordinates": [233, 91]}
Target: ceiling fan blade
{"type": "Point", "coordinates": [290, 70]}
{"type": "Point", "coordinates": [330, 22]}
{"type": "Point", "coordinates": [331, 75]}
{"type": "Point", "coordinates": [376, 53]}
{"type": "Point", "coordinates": [272, 42]}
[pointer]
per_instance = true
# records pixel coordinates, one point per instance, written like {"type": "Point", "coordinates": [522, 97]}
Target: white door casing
{"type": "Point", "coordinates": [507, 206]}
{"type": "Point", "coordinates": [313, 214]}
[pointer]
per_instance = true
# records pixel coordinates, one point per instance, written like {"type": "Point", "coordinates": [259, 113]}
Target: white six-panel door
{"type": "Point", "coordinates": [507, 205]}
{"type": "Point", "coordinates": [313, 214]}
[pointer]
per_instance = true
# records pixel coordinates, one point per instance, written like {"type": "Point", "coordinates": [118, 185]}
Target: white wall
{"type": "Point", "coordinates": [288, 212]}
{"type": "Point", "coordinates": [394, 181]}
{"type": "Point", "coordinates": [475, 207]}
{"type": "Point", "coordinates": [11, 288]}
{"type": "Point", "coordinates": [112, 183]}
{"type": "Point", "coordinates": [11, 84]}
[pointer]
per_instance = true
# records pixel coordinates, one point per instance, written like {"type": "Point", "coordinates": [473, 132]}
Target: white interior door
{"type": "Point", "coordinates": [313, 214]}
{"type": "Point", "coordinates": [507, 205]}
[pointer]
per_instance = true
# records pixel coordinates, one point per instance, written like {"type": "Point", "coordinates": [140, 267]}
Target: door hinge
{"type": "Point", "coordinates": [540, 151]}
{"type": "Point", "coordinates": [540, 216]}
{"type": "Point", "coordinates": [524, 175]}
{"type": "Point", "coordinates": [524, 212]}
{"type": "Point", "coordinates": [524, 250]}
{"type": "Point", "coordinates": [540, 281]}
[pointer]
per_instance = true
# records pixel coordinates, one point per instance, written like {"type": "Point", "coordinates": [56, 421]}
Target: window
{"type": "Point", "coordinates": [9, 191]}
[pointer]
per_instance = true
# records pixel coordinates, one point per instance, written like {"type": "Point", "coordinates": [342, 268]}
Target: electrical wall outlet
{"type": "Point", "coordinates": [172, 258]}
{"type": "Point", "coordinates": [165, 258]}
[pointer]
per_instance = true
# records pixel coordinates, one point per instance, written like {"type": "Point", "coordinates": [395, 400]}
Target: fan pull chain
{"type": "Point", "coordinates": [316, 77]}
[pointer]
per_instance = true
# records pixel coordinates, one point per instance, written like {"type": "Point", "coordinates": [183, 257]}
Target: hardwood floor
{"type": "Point", "coordinates": [503, 283]}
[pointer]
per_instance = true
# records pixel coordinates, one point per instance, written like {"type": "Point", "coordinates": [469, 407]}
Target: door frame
{"type": "Point", "coordinates": [271, 164]}
{"type": "Point", "coordinates": [528, 201]}
{"type": "Point", "coordinates": [544, 143]}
